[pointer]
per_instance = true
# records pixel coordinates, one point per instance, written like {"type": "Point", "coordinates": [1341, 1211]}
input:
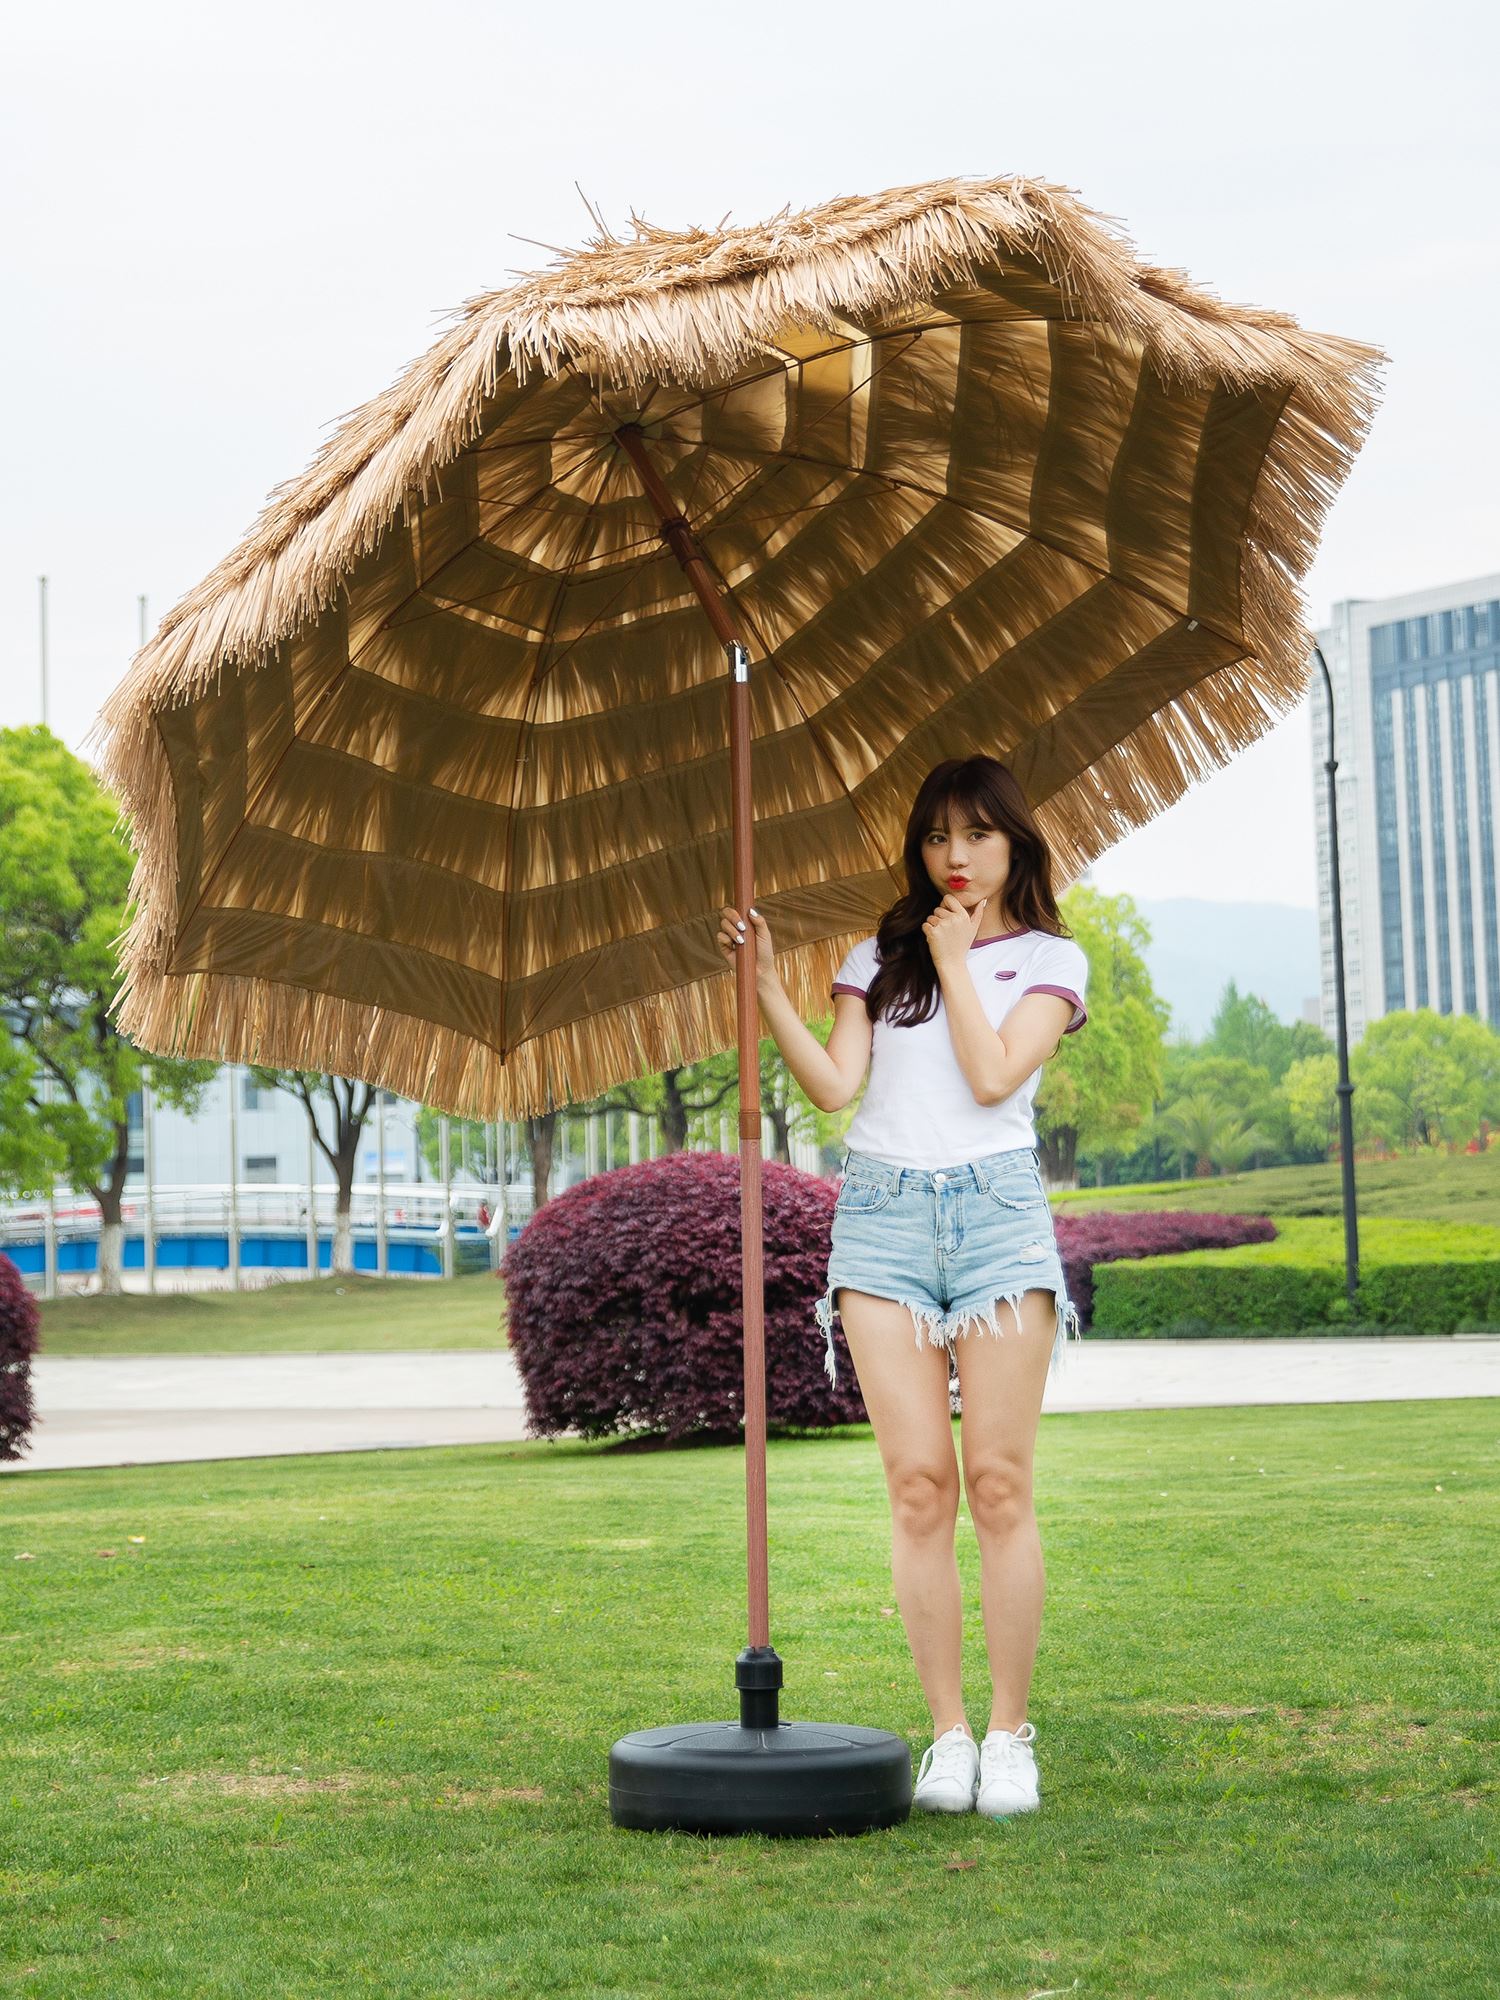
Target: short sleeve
{"type": "Point", "coordinates": [858, 968]}
{"type": "Point", "coordinates": [1060, 965]}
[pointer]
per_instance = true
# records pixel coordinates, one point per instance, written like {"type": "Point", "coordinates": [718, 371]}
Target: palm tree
{"type": "Point", "coordinates": [1209, 1133]}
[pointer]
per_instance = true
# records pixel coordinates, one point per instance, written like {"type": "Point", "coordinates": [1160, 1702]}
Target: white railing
{"type": "Point", "coordinates": [414, 1213]}
{"type": "Point", "coordinates": [259, 1206]}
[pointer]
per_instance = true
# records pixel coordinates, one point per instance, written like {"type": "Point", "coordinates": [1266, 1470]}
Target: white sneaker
{"type": "Point", "coordinates": [1008, 1781]}
{"type": "Point", "coordinates": [948, 1774]}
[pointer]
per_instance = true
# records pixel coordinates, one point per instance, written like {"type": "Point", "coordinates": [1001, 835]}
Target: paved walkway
{"type": "Point", "coordinates": [148, 1409]}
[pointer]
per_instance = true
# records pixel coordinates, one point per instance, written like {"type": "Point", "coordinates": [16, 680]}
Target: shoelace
{"type": "Point", "coordinates": [1001, 1745]}
{"type": "Point", "coordinates": [949, 1754]}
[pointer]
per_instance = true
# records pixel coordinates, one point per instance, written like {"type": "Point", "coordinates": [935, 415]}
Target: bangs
{"type": "Point", "coordinates": [965, 801]}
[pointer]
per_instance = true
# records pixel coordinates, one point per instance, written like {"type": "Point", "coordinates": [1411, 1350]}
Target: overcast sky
{"type": "Point", "coordinates": [225, 228]}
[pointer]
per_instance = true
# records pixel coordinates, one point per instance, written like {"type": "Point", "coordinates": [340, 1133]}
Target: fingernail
{"type": "Point", "coordinates": [753, 911]}
{"type": "Point", "coordinates": [739, 923]}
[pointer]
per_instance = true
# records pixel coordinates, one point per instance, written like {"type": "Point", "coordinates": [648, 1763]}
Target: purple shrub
{"type": "Point", "coordinates": [624, 1302]}
{"type": "Point", "coordinates": [1105, 1236]}
{"type": "Point", "coordinates": [19, 1323]}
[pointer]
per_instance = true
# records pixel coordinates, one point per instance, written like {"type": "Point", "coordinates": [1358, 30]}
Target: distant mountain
{"type": "Point", "coordinates": [1198, 946]}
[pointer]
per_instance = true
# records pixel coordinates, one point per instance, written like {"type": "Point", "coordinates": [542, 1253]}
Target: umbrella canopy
{"type": "Point", "coordinates": [429, 779]}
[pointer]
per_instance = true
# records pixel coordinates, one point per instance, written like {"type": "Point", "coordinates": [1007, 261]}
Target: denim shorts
{"type": "Point", "coordinates": [949, 1243]}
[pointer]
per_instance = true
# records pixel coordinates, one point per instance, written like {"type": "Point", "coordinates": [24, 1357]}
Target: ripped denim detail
{"type": "Point", "coordinates": [941, 1329]}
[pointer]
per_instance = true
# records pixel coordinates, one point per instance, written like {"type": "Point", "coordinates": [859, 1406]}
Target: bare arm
{"type": "Point", "coordinates": [830, 1076]}
{"type": "Point", "coordinates": [995, 1063]}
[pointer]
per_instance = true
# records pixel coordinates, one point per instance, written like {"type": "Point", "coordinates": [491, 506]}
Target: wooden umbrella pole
{"type": "Point", "coordinates": [678, 535]}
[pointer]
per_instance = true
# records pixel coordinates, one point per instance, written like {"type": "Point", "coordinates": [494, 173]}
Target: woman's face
{"type": "Point", "coordinates": [969, 861]}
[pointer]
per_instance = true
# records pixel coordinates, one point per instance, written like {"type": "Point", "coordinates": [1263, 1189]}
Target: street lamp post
{"type": "Point", "coordinates": [1345, 1087]}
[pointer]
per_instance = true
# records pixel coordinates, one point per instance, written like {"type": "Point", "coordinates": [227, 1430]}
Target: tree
{"type": "Point", "coordinates": [64, 881]}
{"type": "Point", "coordinates": [344, 1103]}
{"type": "Point", "coordinates": [1245, 1028]}
{"type": "Point", "coordinates": [1208, 1133]}
{"type": "Point", "coordinates": [29, 1156]}
{"type": "Point", "coordinates": [675, 1099]}
{"type": "Point", "coordinates": [1310, 1091]}
{"type": "Point", "coordinates": [1423, 1079]}
{"type": "Point", "coordinates": [471, 1139]}
{"type": "Point", "coordinates": [1099, 1088]}
{"type": "Point", "coordinates": [785, 1105]}
{"type": "Point", "coordinates": [1249, 1099]}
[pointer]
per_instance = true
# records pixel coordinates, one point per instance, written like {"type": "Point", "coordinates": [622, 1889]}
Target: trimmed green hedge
{"type": "Point", "coordinates": [1415, 1277]}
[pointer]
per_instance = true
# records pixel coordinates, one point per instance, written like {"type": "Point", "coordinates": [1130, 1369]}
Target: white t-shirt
{"type": "Point", "coordinates": [918, 1109]}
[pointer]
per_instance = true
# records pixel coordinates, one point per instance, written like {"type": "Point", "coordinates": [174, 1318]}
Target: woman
{"type": "Point", "coordinates": [942, 1226]}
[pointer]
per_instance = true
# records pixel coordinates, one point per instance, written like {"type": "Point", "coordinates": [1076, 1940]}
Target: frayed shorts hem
{"type": "Point", "coordinates": [940, 1329]}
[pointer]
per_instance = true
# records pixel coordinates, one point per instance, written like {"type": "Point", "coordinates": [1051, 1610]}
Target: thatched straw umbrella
{"type": "Point", "coordinates": [430, 780]}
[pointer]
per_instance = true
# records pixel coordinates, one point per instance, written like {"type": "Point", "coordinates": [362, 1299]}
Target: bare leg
{"type": "Point", "coordinates": [905, 1390]}
{"type": "Point", "coordinates": [1001, 1379]}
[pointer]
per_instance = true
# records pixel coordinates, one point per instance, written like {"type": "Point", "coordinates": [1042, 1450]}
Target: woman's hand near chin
{"type": "Point", "coordinates": [950, 930]}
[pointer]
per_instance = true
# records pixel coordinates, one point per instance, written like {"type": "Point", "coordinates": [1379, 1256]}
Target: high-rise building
{"type": "Point", "coordinates": [1416, 689]}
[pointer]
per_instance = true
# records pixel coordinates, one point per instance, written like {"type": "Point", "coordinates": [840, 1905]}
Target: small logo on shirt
{"type": "Point", "coordinates": [1003, 973]}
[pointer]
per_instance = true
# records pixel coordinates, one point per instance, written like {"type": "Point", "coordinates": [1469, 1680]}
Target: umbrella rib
{"type": "Point", "coordinates": [650, 542]}
{"type": "Point", "coordinates": [527, 726]}
{"type": "Point", "coordinates": [448, 605]}
{"type": "Point", "coordinates": [635, 569]}
{"type": "Point", "coordinates": [860, 388]}
{"type": "Point", "coordinates": [424, 583]}
{"type": "Point", "coordinates": [767, 653]}
{"type": "Point", "coordinates": [1002, 521]}
{"type": "Point", "coordinates": [337, 681]}
{"type": "Point", "coordinates": [552, 437]}
{"type": "Point", "coordinates": [784, 366]}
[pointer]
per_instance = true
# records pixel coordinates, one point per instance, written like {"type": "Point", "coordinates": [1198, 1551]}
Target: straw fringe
{"type": "Point", "coordinates": [692, 307]}
{"type": "Point", "coordinates": [256, 1020]}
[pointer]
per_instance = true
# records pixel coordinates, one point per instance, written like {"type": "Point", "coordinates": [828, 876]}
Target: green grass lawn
{"type": "Point", "coordinates": [1441, 1187]}
{"type": "Point", "coordinates": [339, 1725]}
{"type": "Point", "coordinates": [321, 1315]}
{"type": "Point", "coordinates": [1385, 1239]}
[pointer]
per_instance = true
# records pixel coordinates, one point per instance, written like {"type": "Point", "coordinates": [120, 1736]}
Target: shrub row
{"type": "Point", "coordinates": [1105, 1236]}
{"type": "Point", "coordinates": [1418, 1277]}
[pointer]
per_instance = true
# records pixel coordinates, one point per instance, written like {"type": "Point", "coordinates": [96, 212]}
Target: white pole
{"type": "Point", "coordinates": [502, 1199]}
{"type": "Point", "coordinates": [591, 1146]}
{"type": "Point", "coordinates": [312, 1201]}
{"type": "Point", "coordinates": [41, 592]}
{"type": "Point", "coordinates": [148, 1162]}
{"type": "Point", "coordinates": [633, 1127]}
{"type": "Point", "coordinates": [234, 1179]}
{"type": "Point", "coordinates": [49, 1226]}
{"type": "Point", "coordinates": [447, 1196]}
{"type": "Point", "coordinates": [383, 1249]}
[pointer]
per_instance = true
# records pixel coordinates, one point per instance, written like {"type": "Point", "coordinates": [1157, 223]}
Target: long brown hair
{"type": "Point", "coordinates": [978, 791]}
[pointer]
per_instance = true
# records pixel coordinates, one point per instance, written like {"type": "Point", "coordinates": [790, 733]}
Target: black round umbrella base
{"type": "Point", "coordinates": [791, 1778]}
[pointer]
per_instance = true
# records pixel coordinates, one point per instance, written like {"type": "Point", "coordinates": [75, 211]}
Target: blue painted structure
{"type": "Point", "coordinates": [406, 1256]}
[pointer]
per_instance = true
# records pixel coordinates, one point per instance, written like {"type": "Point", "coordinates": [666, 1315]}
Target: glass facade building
{"type": "Point", "coordinates": [1417, 690]}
